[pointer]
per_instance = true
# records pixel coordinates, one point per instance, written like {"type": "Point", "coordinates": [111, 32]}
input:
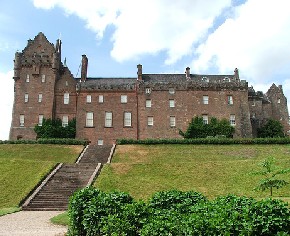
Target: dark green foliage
{"type": "Point", "coordinates": [197, 128]}
{"type": "Point", "coordinates": [270, 180]}
{"type": "Point", "coordinates": [54, 129]}
{"type": "Point", "coordinates": [59, 141]}
{"type": "Point", "coordinates": [175, 212]}
{"type": "Point", "coordinates": [217, 141]}
{"type": "Point", "coordinates": [272, 129]}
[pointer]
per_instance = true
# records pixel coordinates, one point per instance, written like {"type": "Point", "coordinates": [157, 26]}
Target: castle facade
{"type": "Point", "coordinates": [147, 106]}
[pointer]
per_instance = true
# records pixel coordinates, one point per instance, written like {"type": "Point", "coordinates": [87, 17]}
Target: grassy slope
{"type": "Point", "coordinates": [212, 170]}
{"type": "Point", "coordinates": [23, 166]}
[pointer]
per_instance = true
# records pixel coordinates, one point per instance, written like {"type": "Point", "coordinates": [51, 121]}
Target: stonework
{"type": "Point", "coordinates": [148, 106]}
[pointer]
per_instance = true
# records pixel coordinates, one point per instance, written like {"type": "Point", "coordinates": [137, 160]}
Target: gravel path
{"type": "Point", "coordinates": [30, 223]}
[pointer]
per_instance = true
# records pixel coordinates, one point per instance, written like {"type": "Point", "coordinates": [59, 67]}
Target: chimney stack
{"type": "Point", "coordinates": [84, 70]}
{"type": "Point", "coordinates": [139, 73]}
{"type": "Point", "coordinates": [187, 72]}
{"type": "Point", "coordinates": [237, 73]}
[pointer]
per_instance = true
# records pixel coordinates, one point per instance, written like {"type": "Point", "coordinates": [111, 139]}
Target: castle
{"type": "Point", "coordinates": [148, 106]}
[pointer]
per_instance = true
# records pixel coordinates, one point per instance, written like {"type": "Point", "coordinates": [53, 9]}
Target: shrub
{"type": "Point", "coordinates": [272, 129]}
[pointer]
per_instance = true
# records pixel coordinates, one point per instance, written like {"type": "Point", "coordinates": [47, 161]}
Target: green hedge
{"type": "Point", "coordinates": [173, 212]}
{"type": "Point", "coordinates": [61, 141]}
{"type": "Point", "coordinates": [218, 141]}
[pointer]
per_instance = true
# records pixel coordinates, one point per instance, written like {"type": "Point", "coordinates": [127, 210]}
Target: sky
{"type": "Point", "coordinates": [211, 37]}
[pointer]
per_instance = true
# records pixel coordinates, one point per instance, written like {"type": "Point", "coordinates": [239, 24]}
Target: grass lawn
{"type": "Point", "coordinates": [213, 170]}
{"type": "Point", "coordinates": [22, 166]}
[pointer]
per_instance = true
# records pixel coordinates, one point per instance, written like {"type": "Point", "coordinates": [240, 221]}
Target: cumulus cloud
{"type": "Point", "coordinates": [6, 97]}
{"type": "Point", "coordinates": [255, 39]}
{"type": "Point", "coordinates": [146, 27]}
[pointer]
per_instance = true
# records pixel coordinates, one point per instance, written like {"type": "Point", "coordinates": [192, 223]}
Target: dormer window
{"type": "Point", "coordinates": [227, 79]}
{"type": "Point", "coordinates": [205, 79]}
{"type": "Point", "coordinates": [171, 91]}
{"type": "Point", "coordinates": [147, 90]}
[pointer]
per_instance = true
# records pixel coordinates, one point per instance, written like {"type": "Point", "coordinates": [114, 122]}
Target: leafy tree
{"type": "Point", "coordinates": [270, 180]}
{"type": "Point", "coordinates": [198, 129]}
{"type": "Point", "coordinates": [52, 128]}
{"type": "Point", "coordinates": [272, 129]}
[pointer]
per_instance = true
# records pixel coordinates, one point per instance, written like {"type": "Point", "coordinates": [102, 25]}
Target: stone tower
{"type": "Point", "coordinates": [36, 70]}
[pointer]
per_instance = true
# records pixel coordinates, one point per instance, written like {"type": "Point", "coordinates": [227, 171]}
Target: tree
{"type": "Point", "coordinates": [198, 129]}
{"type": "Point", "coordinates": [52, 128]}
{"type": "Point", "coordinates": [272, 129]}
{"type": "Point", "coordinates": [270, 180]}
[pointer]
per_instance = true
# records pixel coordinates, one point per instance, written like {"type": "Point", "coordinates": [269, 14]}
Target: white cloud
{"type": "Point", "coordinates": [6, 97]}
{"type": "Point", "coordinates": [255, 39]}
{"type": "Point", "coordinates": [143, 27]}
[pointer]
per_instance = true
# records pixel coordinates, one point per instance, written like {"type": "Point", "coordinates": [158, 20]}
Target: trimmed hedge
{"type": "Point", "coordinates": [173, 212]}
{"type": "Point", "coordinates": [217, 141]}
{"type": "Point", "coordinates": [60, 141]}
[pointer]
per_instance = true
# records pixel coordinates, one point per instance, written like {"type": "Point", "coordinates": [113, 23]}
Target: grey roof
{"type": "Point", "coordinates": [108, 84]}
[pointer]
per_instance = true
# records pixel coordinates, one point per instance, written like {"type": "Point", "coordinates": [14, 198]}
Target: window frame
{"type": "Point", "coordinates": [66, 98]}
{"type": "Point", "coordinates": [205, 99]}
{"type": "Point", "coordinates": [230, 100]}
{"type": "Point", "coordinates": [64, 121]}
{"type": "Point", "coordinates": [233, 120]}
{"type": "Point", "coordinates": [89, 98]}
{"type": "Point", "coordinates": [150, 121]}
{"type": "Point", "coordinates": [172, 121]}
{"type": "Point", "coordinates": [124, 99]}
{"type": "Point", "coordinates": [26, 98]}
{"type": "Point", "coordinates": [43, 78]}
{"type": "Point", "coordinates": [27, 78]}
{"type": "Point", "coordinates": [148, 103]}
{"type": "Point", "coordinates": [40, 96]}
{"type": "Point", "coordinates": [127, 119]}
{"type": "Point", "coordinates": [171, 103]}
{"type": "Point", "coordinates": [205, 119]}
{"type": "Point", "coordinates": [40, 120]}
{"type": "Point", "coordinates": [89, 120]}
{"type": "Point", "coordinates": [21, 120]}
{"type": "Point", "coordinates": [108, 119]}
{"type": "Point", "coordinates": [101, 98]}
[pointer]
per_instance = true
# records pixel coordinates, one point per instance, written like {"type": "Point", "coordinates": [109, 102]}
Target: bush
{"type": "Point", "coordinates": [214, 141]}
{"type": "Point", "coordinates": [175, 212]}
{"type": "Point", "coordinates": [52, 128]}
{"type": "Point", "coordinates": [272, 129]}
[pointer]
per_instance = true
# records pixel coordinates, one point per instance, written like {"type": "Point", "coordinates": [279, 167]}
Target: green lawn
{"type": "Point", "coordinates": [22, 166]}
{"type": "Point", "coordinates": [212, 170]}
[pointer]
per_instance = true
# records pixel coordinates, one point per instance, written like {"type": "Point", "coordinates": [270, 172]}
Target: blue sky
{"type": "Point", "coordinates": [211, 37]}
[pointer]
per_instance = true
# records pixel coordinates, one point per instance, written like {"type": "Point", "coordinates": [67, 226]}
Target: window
{"type": "Point", "coordinates": [40, 97]}
{"type": "Point", "coordinates": [205, 79]}
{"type": "Point", "coordinates": [227, 79]}
{"type": "Point", "coordinates": [172, 121]}
{"type": "Point", "coordinates": [205, 119]}
{"type": "Point", "coordinates": [40, 120]}
{"type": "Point", "coordinates": [108, 119]}
{"type": "Point", "coordinates": [147, 90]}
{"type": "Point", "coordinates": [123, 98]}
{"type": "Point", "coordinates": [150, 121]}
{"type": "Point", "coordinates": [148, 102]}
{"type": "Point", "coordinates": [205, 99]}
{"type": "Point", "coordinates": [66, 98]}
{"type": "Point", "coordinates": [66, 83]}
{"type": "Point", "coordinates": [171, 91]}
{"type": "Point", "coordinates": [26, 97]}
{"type": "Point", "coordinates": [101, 98]}
{"type": "Point", "coordinates": [27, 78]}
{"type": "Point", "coordinates": [90, 119]}
{"type": "Point", "coordinates": [89, 98]}
{"type": "Point", "coordinates": [43, 78]}
{"type": "Point", "coordinates": [171, 103]}
{"type": "Point", "coordinates": [230, 100]}
{"type": "Point", "coordinates": [21, 119]}
{"type": "Point", "coordinates": [254, 103]}
{"type": "Point", "coordinates": [232, 120]}
{"type": "Point", "coordinates": [100, 142]}
{"type": "Point", "coordinates": [127, 119]}
{"type": "Point", "coordinates": [64, 121]}
{"type": "Point", "coordinates": [279, 100]}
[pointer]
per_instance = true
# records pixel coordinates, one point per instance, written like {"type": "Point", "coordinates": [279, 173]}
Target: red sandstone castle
{"type": "Point", "coordinates": [148, 106]}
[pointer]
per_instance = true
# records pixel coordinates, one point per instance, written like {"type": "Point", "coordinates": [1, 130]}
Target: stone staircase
{"type": "Point", "coordinates": [55, 190]}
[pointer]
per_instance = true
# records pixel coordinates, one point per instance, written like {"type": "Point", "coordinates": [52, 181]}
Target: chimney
{"type": "Point", "coordinates": [84, 70]}
{"type": "Point", "coordinates": [187, 72]}
{"type": "Point", "coordinates": [237, 73]}
{"type": "Point", "coordinates": [139, 73]}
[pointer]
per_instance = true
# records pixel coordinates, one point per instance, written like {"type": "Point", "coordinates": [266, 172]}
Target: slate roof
{"type": "Point", "coordinates": [108, 83]}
